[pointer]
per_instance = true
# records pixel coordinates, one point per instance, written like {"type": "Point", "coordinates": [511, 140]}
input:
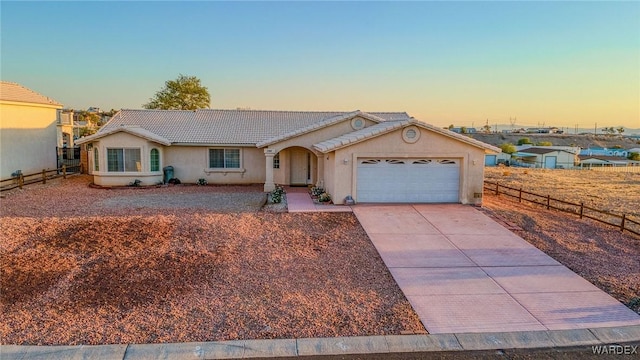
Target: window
{"type": "Point", "coordinates": [155, 160]}
{"type": "Point", "coordinates": [224, 158]}
{"type": "Point", "coordinates": [96, 160]}
{"type": "Point", "coordinates": [123, 160]}
{"type": "Point", "coordinates": [276, 161]}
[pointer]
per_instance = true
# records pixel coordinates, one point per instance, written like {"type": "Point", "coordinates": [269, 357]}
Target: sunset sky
{"type": "Point", "coordinates": [551, 63]}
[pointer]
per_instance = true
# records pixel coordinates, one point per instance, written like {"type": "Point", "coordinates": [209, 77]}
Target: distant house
{"type": "Point", "coordinates": [589, 161]}
{"type": "Point", "coordinates": [66, 129]}
{"type": "Point", "coordinates": [598, 151]}
{"type": "Point", "coordinates": [28, 134]}
{"type": "Point", "coordinates": [464, 130]}
{"type": "Point", "coordinates": [496, 159]}
{"type": "Point", "coordinates": [374, 157]}
{"type": "Point", "coordinates": [545, 157]}
{"type": "Point", "coordinates": [547, 130]}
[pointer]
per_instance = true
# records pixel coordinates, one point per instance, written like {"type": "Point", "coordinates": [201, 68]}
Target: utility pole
{"type": "Point", "coordinates": [595, 129]}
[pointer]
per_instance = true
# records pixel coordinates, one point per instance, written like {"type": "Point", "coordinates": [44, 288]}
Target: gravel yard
{"type": "Point", "coordinates": [94, 266]}
{"type": "Point", "coordinates": [601, 254]}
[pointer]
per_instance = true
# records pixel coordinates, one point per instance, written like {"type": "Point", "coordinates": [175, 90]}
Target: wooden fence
{"type": "Point", "coordinates": [39, 177]}
{"type": "Point", "coordinates": [622, 222]}
{"type": "Point", "coordinates": [617, 169]}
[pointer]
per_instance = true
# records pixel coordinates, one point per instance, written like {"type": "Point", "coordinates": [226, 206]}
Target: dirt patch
{"type": "Point", "coordinates": [73, 272]}
{"type": "Point", "coordinates": [612, 192]}
{"type": "Point", "coordinates": [604, 256]}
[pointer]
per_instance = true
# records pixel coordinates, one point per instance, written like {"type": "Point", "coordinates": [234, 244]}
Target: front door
{"type": "Point", "coordinates": [300, 162]}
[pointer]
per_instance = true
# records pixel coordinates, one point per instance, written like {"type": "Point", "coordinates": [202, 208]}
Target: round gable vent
{"type": "Point", "coordinates": [410, 134]}
{"type": "Point", "coordinates": [357, 123]}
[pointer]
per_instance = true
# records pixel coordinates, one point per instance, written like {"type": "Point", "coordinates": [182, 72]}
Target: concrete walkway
{"type": "Point", "coordinates": [299, 200]}
{"type": "Point", "coordinates": [464, 273]}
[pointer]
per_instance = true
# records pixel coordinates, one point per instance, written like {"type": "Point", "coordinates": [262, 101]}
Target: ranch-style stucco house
{"type": "Point", "coordinates": [374, 157]}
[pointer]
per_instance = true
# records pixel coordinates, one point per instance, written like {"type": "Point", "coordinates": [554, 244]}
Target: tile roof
{"type": "Point", "coordinates": [10, 91]}
{"type": "Point", "coordinates": [388, 126]}
{"type": "Point", "coordinates": [360, 135]}
{"type": "Point", "coordinates": [233, 127]}
{"type": "Point", "coordinates": [320, 124]}
{"type": "Point", "coordinates": [135, 130]}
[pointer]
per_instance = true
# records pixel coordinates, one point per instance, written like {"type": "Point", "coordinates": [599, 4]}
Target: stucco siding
{"type": "Point", "coordinates": [344, 165]}
{"type": "Point", "coordinates": [307, 140]}
{"type": "Point", "coordinates": [28, 138]}
{"type": "Point", "coordinates": [104, 177]}
{"type": "Point", "coordinates": [191, 163]}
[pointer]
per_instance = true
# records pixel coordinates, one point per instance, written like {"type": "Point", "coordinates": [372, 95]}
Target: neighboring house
{"type": "Point", "coordinates": [604, 152]}
{"type": "Point", "coordinates": [374, 157]}
{"type": "Point", "coordinates": [466, 130]}
{"type": "Point", "coordinates": [545, 157]}
{"type": "Point", "coordinates": [589, 161]}
{"type": "Point", "coordinates": [28, 130]}
{"type": "Point", "coordinates": [66, 129]}
{"type": "Point", "coordinates": [495, 159]}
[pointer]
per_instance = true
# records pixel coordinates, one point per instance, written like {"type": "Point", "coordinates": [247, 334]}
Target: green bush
{"type": "Point", "coordinates": [202, 181]}
{"type": "Point", "coordinates": [524, 141]}
{"type": "Point", "coordinates": [508, 148]}
{"type": "Point", "coordinates": [324, 197]}
{"type": "Point", "coordinates": [276, 195]}
{"type": "Point", "coordinates": [316, 191]}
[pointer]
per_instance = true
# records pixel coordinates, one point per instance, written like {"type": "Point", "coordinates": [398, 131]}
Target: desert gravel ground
{"type": "Point", "coordinates": [93, 266]}
{"type": "Point", "coordinates": [615, 192]}
{"type": "Point", "coordinates": [601, 254]}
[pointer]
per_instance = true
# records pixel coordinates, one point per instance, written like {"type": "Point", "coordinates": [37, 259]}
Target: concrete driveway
{"type": "Point", "coordinates": [463, 272]}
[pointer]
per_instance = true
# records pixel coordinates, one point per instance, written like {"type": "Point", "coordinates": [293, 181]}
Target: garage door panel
{"type": "Point", "coordinates": [408, 180]}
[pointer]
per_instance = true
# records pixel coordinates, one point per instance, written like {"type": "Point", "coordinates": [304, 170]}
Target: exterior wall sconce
{"type": "Point", "coordinates": [345, 161]}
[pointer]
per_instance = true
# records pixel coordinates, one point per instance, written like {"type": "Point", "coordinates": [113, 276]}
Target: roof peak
{"type": "Point", "coordinates": [13, 91]}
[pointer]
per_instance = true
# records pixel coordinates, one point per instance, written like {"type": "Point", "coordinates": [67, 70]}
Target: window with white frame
{"type": "Point", "coordinates": [96, 160]}
{"type": "Point", "coordinates": [276, 161]}
{"type": "Point", "coordinates": [123, 160]}
{"type": "Point", "coordinates": [224, 158]}
{"type": "Point", "coordinates": [155, 160]}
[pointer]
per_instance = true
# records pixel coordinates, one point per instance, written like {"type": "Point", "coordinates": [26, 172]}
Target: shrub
{"type": "Point", "coordinates": [324, 197]}
{"type": "Point", "coordinates": [524, 141]}
{"type": "Point", "coordinates": [135, 183]}
{"type": "Point", "coordinates": [202, 181]}
{"type": "Point", "coordinates": [545, 143]}
{"type": "Point", "coordinates": [508, 148]}
{"type": "Point", "coordinates": [317, 191]}
{"type": "Point", "coordinates": [634, 156]}
{"type": "Point", "coordinates": [276, 195]}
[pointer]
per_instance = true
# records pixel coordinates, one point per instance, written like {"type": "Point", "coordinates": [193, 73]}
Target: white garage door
{"type": "Point", "coordinates": [420, 180]}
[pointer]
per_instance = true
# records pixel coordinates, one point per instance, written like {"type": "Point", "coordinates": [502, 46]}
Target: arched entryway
{"type": "Point", "coordinates": [293, 166]}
